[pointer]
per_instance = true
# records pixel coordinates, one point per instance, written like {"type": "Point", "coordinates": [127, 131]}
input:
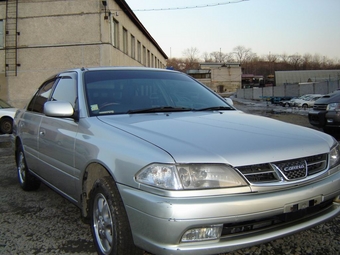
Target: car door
{"type": "Point", "coordinates": [29, 124]}
{"type": "Point", "coordinates": [57, 139]}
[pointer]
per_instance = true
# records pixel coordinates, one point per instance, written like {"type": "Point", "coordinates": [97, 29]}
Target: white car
{"type": "Point", "coordinates": [307, 101]}
{"type": "Point", "coordinates": [7, 113]}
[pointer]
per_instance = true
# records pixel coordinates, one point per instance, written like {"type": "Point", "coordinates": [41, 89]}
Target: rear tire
{"type": "Point", "coordinates": [27, 181]}
{"type": "Point", "coordinates": [109, 222]}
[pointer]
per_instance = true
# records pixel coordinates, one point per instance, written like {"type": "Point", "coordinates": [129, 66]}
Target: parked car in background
{"type": "Point", "coordinates": [7, 113]}
{"type": "Point", "coordinates": [288, 103]}
{"type": "Point", "coordinates": [307, 101]}
{"type": "Point", "coordinates": [304, 101]}
{"type": "Point", "coordinates": [279, 100]}
{"type": "Point", "coordinates": [326, 112]}
{"type": "Point", "coordinates": [158, 162]}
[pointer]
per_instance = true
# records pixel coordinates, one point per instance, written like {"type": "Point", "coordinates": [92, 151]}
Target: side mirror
{"type": "Point", "coordinates": [229, 101]}
{"type": "Point", "coordinates": [58, 109]}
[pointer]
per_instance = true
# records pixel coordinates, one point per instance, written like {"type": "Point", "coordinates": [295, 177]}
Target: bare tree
{"type": "Point", "coordinates": [176, 64]}
{"type": "Point", "coordinates": [242, 53]}
{"type": "Point", "coordinates": [251, 63]}
{"type": "Point", "coordinates": [218, 56]}
{"type": "Point", "coordinates": [191, 54]}
{"type": "Point", "coordinates": [307, 63]}
{"type": "Point", "coordinates": [284, 58]}
{"type": "Point", "coordinates": [182, 65]}
{"type": "Point", "coordinates": [206, 57]}
{"type": "Point", "coordinates": [229, 57]}
{"type": "Point", "coordinates": [295, 61]}
{"type": "Point", "coordinates": [272, 57]}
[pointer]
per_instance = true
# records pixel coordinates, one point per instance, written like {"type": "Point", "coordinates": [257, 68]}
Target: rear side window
{"type": "Point", "coordinates": [37, 102]}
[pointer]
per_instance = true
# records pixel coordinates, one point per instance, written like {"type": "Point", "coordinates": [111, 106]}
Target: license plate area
{"type": "Point", "coordinates": [300, 205]}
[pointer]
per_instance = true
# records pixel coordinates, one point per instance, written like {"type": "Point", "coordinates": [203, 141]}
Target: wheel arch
{"type": "Point", "coordinates": [17, 144]}
{"type": "Point", "coordinates": [93, 172]}
{"type": "Point", "coordinates": [6, 117]}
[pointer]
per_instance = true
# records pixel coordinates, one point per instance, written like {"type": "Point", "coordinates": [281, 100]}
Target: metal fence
{"type": "Point", "coordinates": [289, 90]}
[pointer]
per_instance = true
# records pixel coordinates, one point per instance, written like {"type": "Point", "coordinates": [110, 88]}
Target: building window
{"type": "Point", "coordinates": [133, 47]}
{"type": "Point", "coordinates": [139, 51]}
{"type": "Point", "coordinates": [152, 64]}
{"type": "Point", "coordinates": [148, 58]}
{"type": "Point", "coordinates": [125, 41]}
{"type": "Point", "coordinates": [1, 34]}
{"type": "Point", "coordinates": [114, 33]}
{"type": "Point", "coordinates": [144, 56]}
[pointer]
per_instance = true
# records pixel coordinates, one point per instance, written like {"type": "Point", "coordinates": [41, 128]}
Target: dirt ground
{"type": "Point", "coordinates": [42, 222]}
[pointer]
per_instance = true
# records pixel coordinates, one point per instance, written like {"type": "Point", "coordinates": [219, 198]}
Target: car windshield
{"type": "Point", "coordinates": [4, 105]}
{"type": "Point", "coordinates": [145, 91]}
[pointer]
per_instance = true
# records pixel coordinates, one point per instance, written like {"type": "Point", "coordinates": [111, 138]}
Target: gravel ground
{"type": "Point", "coordinates": [42, 222]}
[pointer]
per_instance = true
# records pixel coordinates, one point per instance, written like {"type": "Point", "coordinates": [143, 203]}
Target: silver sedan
{"type": "Point", "coordinates": [158, 162]}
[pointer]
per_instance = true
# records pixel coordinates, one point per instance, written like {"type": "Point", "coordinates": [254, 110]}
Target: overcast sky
{"type": "Point", "coordinates": [264, 26]}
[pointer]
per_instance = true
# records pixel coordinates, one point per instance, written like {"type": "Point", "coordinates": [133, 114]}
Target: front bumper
{"type": "Point", "coordinates": [158, 223]}
{"type": "Point", "coordinates": [322, 119]}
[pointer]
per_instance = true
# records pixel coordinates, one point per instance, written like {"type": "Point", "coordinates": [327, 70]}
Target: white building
{"type": "Point", "coordinates": [222, 78]}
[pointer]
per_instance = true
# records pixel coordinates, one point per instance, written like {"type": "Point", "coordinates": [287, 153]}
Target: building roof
{"type": "Point", "coordinates": [126, 8]}
{"type": "Point", "coordinates": [251, 76]}
{"type": "Point", "coordinates": [198, 71]}
{"type": "Point", "coordinates": [216, 65]}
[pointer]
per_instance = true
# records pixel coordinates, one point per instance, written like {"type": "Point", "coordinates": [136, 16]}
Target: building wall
{"type": "Point", "coordinates": [58, 35]}
{"type": "Point", "coordinates": [303, 76]}
{"type": "Point", "coordinates": [225, 78]}
{"type": "Point", "coordinates": [228, 77]}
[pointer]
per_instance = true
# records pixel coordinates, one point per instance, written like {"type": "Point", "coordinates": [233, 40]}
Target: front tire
{"type": "Point", "coordinates": [27, 181]}
{"type": "Point", "coordinates": [6, 125]}
{"type": "Point", "coordinates": [109, 222]}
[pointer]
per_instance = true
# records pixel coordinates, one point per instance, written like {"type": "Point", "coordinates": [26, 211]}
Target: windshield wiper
{"type": "Point", "coordinates": [216, 108]}
{"type": "Point", "coordinates": [161, 109]}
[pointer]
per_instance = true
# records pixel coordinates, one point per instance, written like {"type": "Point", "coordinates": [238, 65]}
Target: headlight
{"type": "Point", "coordinates": [190, 176]}
{"type": "Point", "coordinates": [333, 107]}
{"type": "Point", "coordinates": [334, 156]}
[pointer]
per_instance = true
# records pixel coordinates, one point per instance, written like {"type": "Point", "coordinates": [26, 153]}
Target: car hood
{"type": "Point", "coordinates": [328, 99]}
{"type": "Point", "coordinates": [231, 137]}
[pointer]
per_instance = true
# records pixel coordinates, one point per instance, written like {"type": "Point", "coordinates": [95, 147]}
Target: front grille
{"type": "Point", "coordinates": [320, 107]}
{"type": "Point", "coordinates": [233, 229]}
{"type": "Point", "coordinates": [293, 169]}
{"type": "Point", "coordinates": [259, 173]}
{"type": "Point", "coordinates": [288, 170]}
{"type": "Point", "coordinates": [316, 163]}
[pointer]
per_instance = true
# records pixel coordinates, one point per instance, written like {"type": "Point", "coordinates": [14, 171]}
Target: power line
{"type": "Point", "coordinates": [189, 7]}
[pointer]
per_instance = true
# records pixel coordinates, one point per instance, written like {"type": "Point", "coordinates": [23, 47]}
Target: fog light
{"type": "Point", "coordinates": [202, 234]}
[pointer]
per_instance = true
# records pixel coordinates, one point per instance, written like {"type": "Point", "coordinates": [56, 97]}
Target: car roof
{"type": "Point", "coordinates": [121, 68]}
